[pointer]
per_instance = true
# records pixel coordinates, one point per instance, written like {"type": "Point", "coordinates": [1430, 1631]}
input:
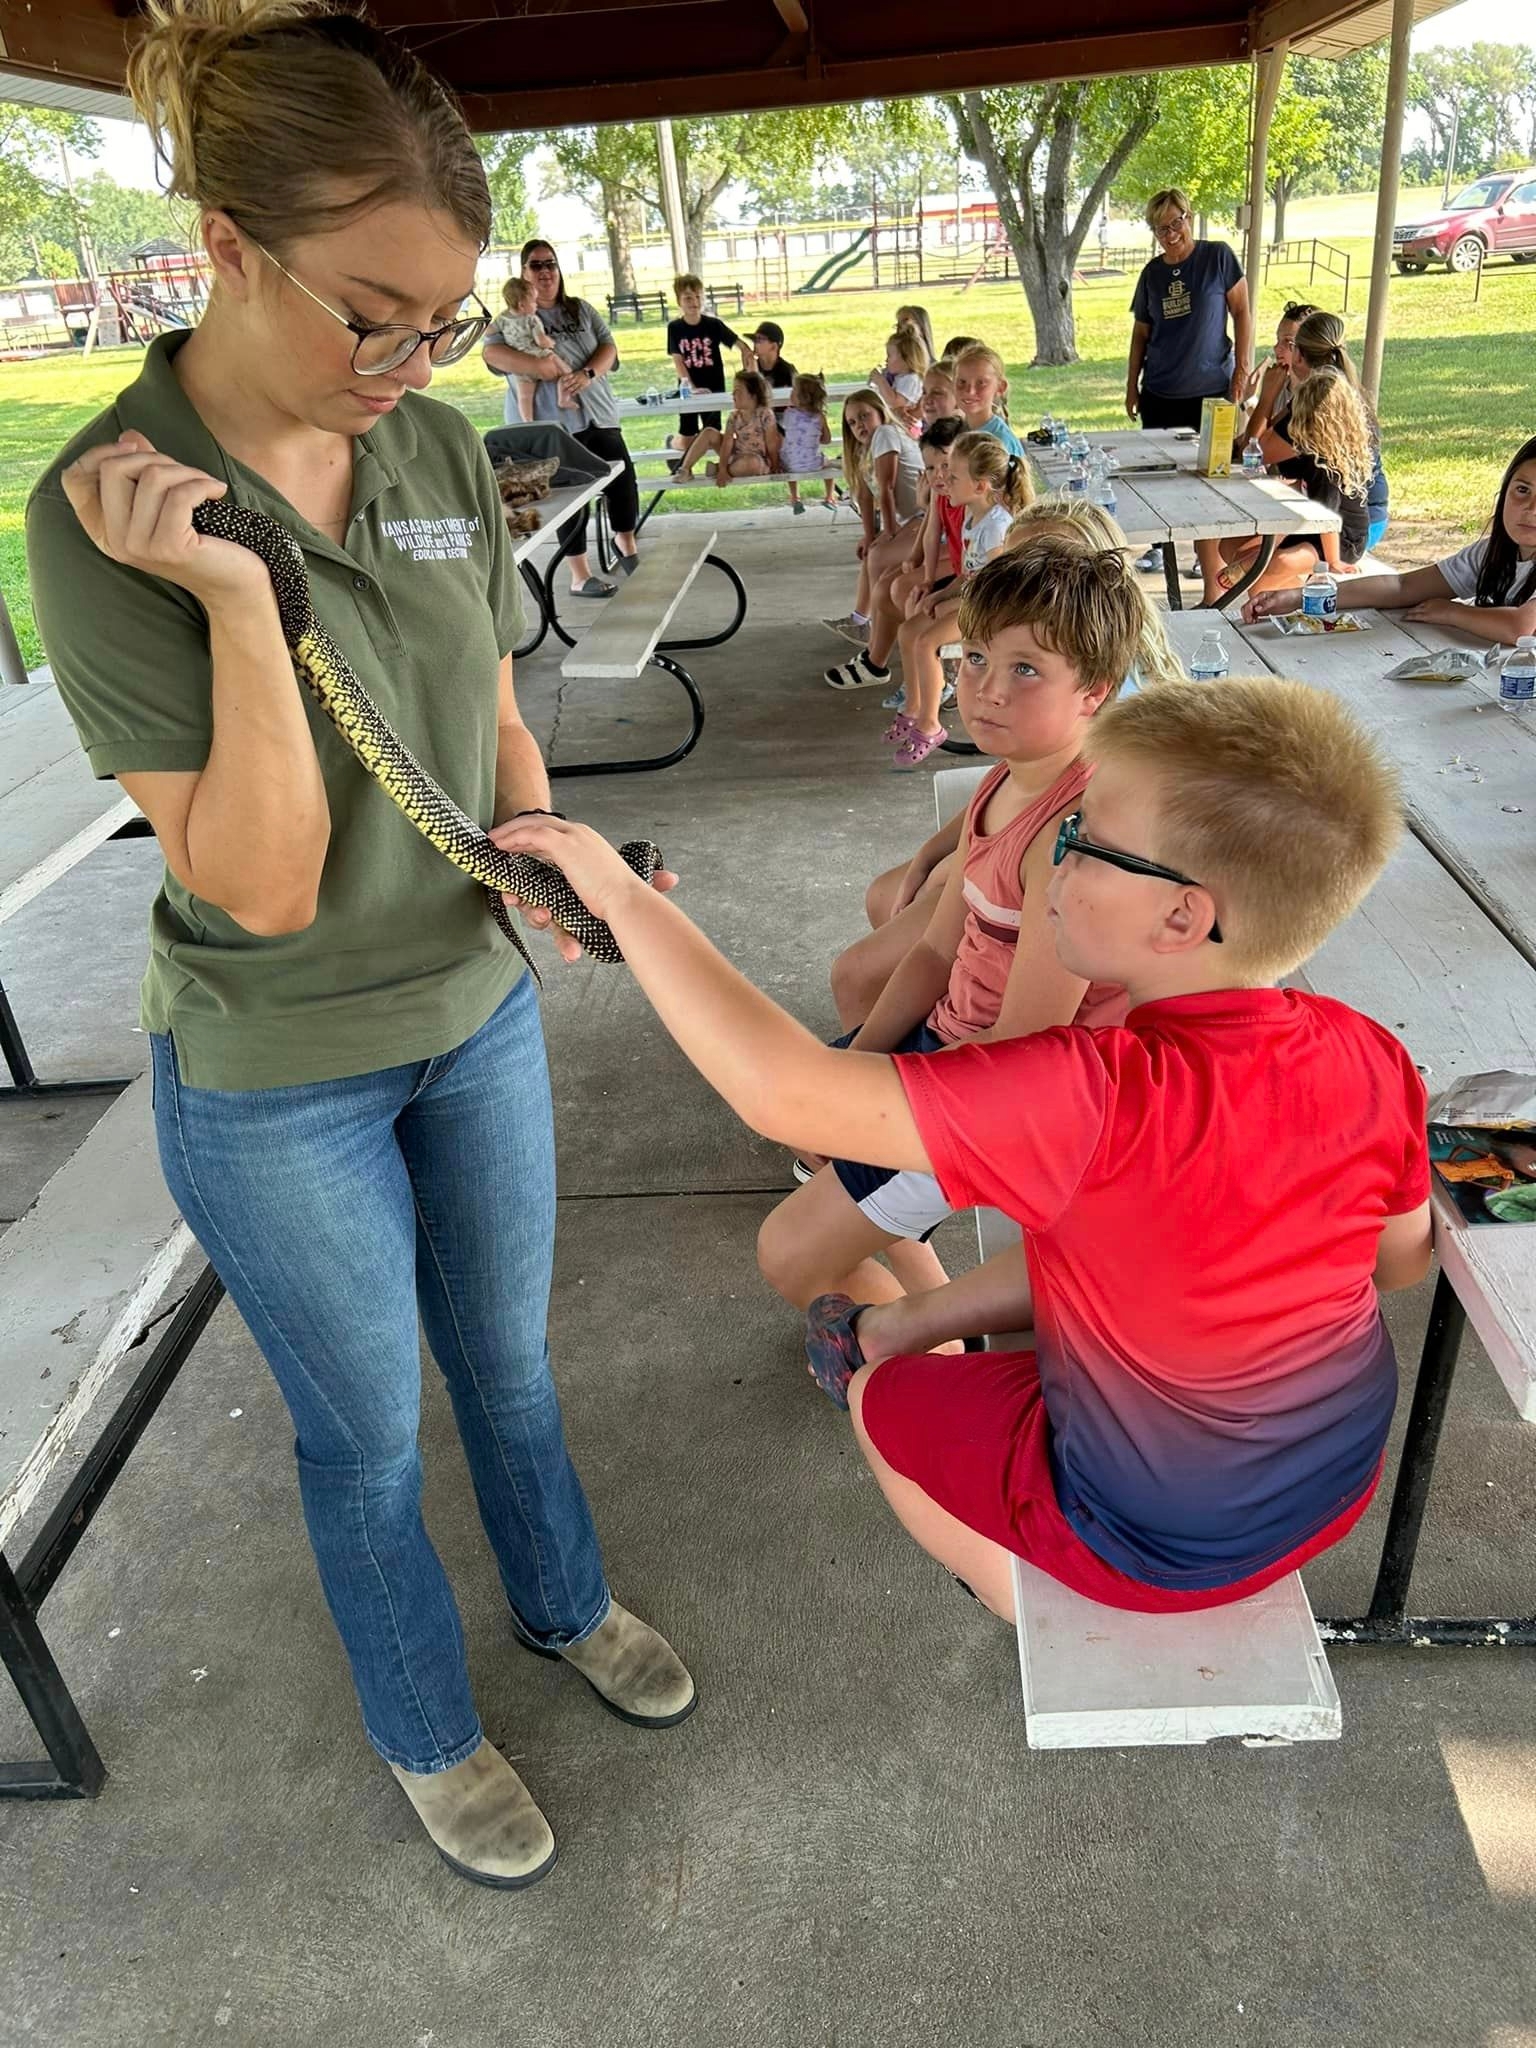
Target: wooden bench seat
{"type": "Point", "coordinates": [80, 1273]}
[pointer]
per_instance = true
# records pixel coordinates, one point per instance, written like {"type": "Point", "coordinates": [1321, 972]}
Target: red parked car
{"type": "Point", "coordinates": [1495, 216]}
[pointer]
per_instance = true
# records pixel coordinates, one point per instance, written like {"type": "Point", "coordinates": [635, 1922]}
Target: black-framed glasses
{"type": "Point", "coordinates": [1070, 839]}
{"type": "Point", "coordinates": [382, 349]}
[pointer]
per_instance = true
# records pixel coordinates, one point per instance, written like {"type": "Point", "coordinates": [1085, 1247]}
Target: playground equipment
{"type": "Point", "coordinates": [841, 261]}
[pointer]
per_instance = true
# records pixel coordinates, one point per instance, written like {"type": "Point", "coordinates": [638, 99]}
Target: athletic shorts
{"type": "Point", "coordinates": [899, 1202]}
{"type": "Point", "coordinates": [973, 1433]}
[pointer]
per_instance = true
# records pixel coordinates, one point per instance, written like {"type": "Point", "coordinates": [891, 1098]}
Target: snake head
{"type": "Point", "coordinates": [221, 519]}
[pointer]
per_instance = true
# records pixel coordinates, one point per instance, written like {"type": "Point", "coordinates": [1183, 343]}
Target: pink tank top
{"type": "Point", "coordinates": [994, 908]}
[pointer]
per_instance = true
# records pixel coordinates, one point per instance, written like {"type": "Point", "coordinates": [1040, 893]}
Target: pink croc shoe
{"type": "Point", "coordinates": [898, 729]}
{"type": "Point", "coordinates": [916, 747]}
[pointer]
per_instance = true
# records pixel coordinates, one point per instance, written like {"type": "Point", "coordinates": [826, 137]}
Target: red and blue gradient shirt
{"type": "Point", "coordinates": [1201, 1192]}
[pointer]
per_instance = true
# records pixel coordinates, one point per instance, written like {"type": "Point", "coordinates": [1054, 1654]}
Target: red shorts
{"type": "Point", "coordinates": [972, 1432]}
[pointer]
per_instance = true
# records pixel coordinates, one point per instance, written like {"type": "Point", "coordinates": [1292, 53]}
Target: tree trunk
{"type": "Point", "coordinates": [1282, 194]}
{"type": "Point", "coordinates": [618, 217]}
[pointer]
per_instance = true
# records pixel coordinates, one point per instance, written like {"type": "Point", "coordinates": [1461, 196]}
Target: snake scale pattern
{"type": "Point", "coordinates": [330, 678]}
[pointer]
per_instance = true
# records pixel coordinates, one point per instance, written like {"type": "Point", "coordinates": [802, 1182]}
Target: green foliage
{"type": "Point", "coordinates": [122, 218]}
{"type": "Point", "coordinates": [503, 157]}
{"type": "Point", "coordinates": [1493, 85]}
{"type": "Point", "coordinates": [32, 184]}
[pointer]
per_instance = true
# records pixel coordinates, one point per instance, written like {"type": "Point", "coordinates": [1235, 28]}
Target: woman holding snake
{"type": "Point", "coordinates": [351, 1099]}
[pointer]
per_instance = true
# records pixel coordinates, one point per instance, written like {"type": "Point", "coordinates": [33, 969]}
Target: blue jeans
{"type": "Point", "coordinates": [337, 1212]}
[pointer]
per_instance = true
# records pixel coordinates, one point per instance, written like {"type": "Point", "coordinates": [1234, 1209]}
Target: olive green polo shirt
{"type": "Point", "coordinates": [402, 961]}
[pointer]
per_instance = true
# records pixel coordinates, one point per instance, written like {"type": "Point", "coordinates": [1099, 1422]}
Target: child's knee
{"type": "Point", "coordinates": [855, 987]}
{"type": "Point", "coordinates": [781, 1248]}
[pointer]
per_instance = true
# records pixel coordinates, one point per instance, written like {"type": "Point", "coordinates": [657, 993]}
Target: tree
{"type": "Point", "coordinates": [1486, 95]}
{"type": "Point", "coordinates": [1029, 142]}
{"type": "Point", "coordinates": [605, 167]}
{"type": "Point", "coordinates": [784, 147]}
{"type": "Point", "coordinates": [512, 216]}
{"type": "Point", "coordinates": [34, 173]}
{"type": "Point", "coordinates": [121, 218]}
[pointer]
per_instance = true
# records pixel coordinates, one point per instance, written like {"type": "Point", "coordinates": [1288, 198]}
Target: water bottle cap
{"type": "Point", "coordinates": [1526, 640]}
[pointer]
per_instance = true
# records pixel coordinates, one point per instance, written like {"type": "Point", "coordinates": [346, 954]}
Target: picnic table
{"type": "Point", "coordinates": [53, 812]}
{"type": "Point", "coordinates": [553, 511]}
{"type": "Point", "coordinates": [1172, 508]}
{"type": "Point", "coordinates": [1443, 952]}
{"type": "Point", "coordinates": [711, 401]}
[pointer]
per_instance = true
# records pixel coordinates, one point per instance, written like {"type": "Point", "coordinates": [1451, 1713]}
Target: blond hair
{"type": "Point", "coordinates": [1329, 422]}
{"type": "Point", "coordinates": [1090, 527]}
{"type": "Point", "coordinates": [296, 118]}
{"type": "Point", "coordinates": [978, 352]}
{"type": "Point", "coordinates": [1272, 795]}
{"type": "Point", "coordinates": [809, 392]}
{"type": "Point", "coordinates": [956, 347]}
{"type": "Point", "coordinates": [853, 448]}
{"type": "Point", "coordinates": [1171, 195]}
{"type": "Point", "coordinates": [517, 293]}
{"type": "Point", "coordinates": [1319, 341]}
{"type": "Point", "coordinates": [1084, 603]}
{"type": "Point", "coordinates": [687, 282]}
{"type": "Point", "coordinates": [912, 351]}
{"type": "Point", "coordinates": [989, 462]}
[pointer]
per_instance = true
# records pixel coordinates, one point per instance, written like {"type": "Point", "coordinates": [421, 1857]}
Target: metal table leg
{"type": "Point", "coordinates": [74, 1769]}
{"type": "Point", "coordinates": [1388, 1620]}
{"type": "Point", "coordinates": [1171, 575]}
{"type": "Point", "coordinates": [653, 761]}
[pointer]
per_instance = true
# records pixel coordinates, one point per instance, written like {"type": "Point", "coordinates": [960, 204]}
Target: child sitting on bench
{"type": "Point", "coordinates": [1210, 1194]}
{"type": "Point", "coordinates": [750, 444]}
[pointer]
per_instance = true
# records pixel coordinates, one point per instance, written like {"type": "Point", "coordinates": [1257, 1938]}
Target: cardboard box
{"type": "Point", "coordinates": [1218, 430]}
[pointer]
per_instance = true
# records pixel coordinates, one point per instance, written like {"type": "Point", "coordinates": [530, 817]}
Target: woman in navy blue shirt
{"type": "Point", "coordinates": [1181, 353]}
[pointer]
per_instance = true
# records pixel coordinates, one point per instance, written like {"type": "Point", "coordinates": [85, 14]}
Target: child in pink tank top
{"type": "Point", "coordinates": [1049, 629]}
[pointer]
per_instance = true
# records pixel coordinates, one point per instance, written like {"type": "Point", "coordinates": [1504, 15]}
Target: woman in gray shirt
{"type": "Point", "coordinates": [575, 378]}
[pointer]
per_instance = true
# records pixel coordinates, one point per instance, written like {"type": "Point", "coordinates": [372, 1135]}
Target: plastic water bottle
{"type": "Point", "coordinates": [1080, 447]}
{"type": "Point", "coordinates": [1320, 599]}
{"type": "Point", "coordinates": [1061, 433]}
{"type": "Point", "coordinates": [1077, 478]}
{"type": "Point", "coordinates": [1210, 663]}
{"type": "Point", "coordinates": [1253, 458]}
{"type": "Point", "coordinates": [1517, 678]}
{"type": "Point", "coordinates": [1101, 489]}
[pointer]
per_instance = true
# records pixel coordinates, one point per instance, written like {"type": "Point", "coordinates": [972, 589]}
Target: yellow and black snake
{"type": "Point", "coordinates": [330, 678]}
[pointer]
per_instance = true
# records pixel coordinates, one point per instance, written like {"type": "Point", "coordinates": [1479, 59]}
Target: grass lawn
{"type": "Point", "coordinates": [1456, 396]}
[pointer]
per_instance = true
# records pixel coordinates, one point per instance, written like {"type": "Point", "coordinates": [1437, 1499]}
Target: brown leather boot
{"type": "Point", "coordinates": [483, 1820]}
{"type": "Point", "coordinates": [635, 1672]}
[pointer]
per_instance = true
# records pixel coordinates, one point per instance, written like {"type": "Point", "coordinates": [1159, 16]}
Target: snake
{"type": "Point", "coordinates": [324, 670]}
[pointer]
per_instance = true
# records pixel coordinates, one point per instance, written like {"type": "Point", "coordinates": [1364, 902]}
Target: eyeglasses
{"type": "Point", "coordinates": [1163, 228]}
{"type": "Point", "coordinates": [382, 349]}
{"type": "Point", "coordinates": [541, 263]}
{"type": "Point", "coordinates": [1070, 840]}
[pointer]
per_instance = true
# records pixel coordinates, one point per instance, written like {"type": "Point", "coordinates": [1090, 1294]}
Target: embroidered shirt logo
{"type": "Point", "coordinates": [433, 540]}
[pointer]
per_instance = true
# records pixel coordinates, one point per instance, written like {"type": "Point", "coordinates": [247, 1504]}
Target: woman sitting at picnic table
{"type": "Point", "coordinates": [1488, 588]}
{"type": "Point", "coordinates": [576, 375]}
{"type": "Point", "coordinates": [1181, 353]}
{"type": "Point", "coordinates": [350, 1090]}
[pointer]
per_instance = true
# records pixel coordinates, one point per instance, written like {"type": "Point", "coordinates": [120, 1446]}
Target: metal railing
{"type": "Point", "coordinates": [1317, 256]}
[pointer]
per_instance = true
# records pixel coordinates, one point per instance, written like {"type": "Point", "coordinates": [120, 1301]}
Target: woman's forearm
{"type": "Point", "coordinates": [518, 362]}
{"type": "Point", "coordinates": [522, 780]}
{"type": "Point", "coordinates": [603, 358]}
{"type": "Point", "coordinates": [259, 824]}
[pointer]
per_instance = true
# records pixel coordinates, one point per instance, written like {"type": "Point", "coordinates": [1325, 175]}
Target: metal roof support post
{"type": "Point", "coordinates": [1271, 70]}
{"type": "Point", "coordinates": [1386, 201]}
{"type": "Point", "coordinates": [672, 196]}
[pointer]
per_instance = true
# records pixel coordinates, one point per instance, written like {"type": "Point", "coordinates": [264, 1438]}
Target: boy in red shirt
{"type": "Point", "coordinates": [1210, 1194]}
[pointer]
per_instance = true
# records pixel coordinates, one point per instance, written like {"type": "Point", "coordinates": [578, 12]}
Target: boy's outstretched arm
{"type": "Point", "coordinates": [772, 1071]}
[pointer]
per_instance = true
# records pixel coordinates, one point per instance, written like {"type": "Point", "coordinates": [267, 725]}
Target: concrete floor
{"type": "Point", "coordinates": [849, 1845]}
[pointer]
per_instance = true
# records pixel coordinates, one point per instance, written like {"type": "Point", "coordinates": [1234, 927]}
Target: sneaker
{"type": "Point", "coordinates": [916, 748]}
{"type": "Point", "coordinates": [1152, 559]}
{"type": "Point", "coordinates": [894, 699]}
{"type": "Point", "coordinates": [849, 628]}
{"type": "Point", "coordinates": [858, 674]}
{"type": "Point", "coordinates": [946, 696]}
{"type": "Point", "coordinates": [797, 508]}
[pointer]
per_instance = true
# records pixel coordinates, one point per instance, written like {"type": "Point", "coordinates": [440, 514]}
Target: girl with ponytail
{"type": "Point", "coordinates": [350, 1092]}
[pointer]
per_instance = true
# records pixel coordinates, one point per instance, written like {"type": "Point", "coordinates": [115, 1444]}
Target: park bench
{"type": "Point", "coordinates": [1102, 1677]}
{"type": "Point", "coordinates": [637, 305]}
{"type": "Point", "coordinates": [81, 1273]}
{"type": "Point", "coordinates": [627, 636]}
{"type": "Point", "coordinates": [659, 486]}
{"type": "Point", "coordinates": [718, 296]}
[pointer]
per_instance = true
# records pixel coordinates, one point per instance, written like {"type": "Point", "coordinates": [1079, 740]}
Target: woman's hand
{"type": "Point", "coordinates": [591, 866]}
{"type": "Point", "coordinates": [137, 506]}
{"type": "Point", "coordinates": [1270, 604]}
{"type": "Point", "coordinates": [573, 383]}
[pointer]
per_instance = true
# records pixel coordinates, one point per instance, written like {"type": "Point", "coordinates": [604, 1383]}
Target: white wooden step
{"type": "Point", "coordinates": [80, 1273]}
{"type": "Point", "coordinates": [1101, 1678]}
{"type": "Point", "coordinates": [634, 619]}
